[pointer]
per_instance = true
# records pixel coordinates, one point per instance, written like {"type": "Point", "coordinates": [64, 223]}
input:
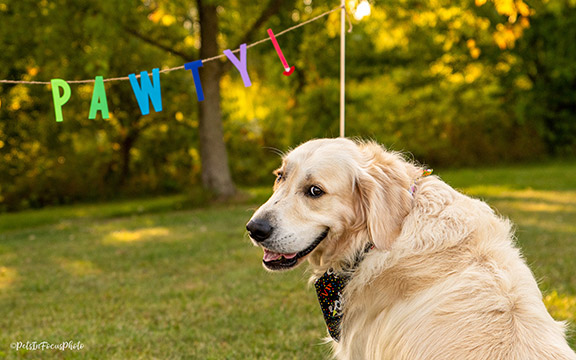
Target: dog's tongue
{"type": "Point", "coordinates": [271, 255]}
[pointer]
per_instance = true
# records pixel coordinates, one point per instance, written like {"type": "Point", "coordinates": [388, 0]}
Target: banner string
{"type": "Point", "coordinates": [342, 68]}
{"type": "Point", "coordinates": [182, 66]}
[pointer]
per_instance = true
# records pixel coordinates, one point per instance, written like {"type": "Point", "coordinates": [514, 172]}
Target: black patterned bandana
{"type": "Point", "coordinates": [329, 288]}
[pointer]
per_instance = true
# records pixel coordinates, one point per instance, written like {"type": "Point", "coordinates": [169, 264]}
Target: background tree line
{"type": "Point", "coordinates": [465, 83]}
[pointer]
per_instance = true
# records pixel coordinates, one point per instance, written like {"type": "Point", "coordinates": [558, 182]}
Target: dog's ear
{"type": "Point", "coordinates": [384, 199]}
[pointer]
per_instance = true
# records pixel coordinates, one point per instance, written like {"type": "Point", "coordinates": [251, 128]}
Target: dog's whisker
{"type": "Point", "coordinates": [275, 150]}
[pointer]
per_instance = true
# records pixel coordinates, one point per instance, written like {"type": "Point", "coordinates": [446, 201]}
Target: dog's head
{"type": "Point", "coordinates": [331, 197]}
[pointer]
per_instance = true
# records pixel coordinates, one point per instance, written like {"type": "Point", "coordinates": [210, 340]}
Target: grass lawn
{"type": "Point", "coordinates": [147, 279]}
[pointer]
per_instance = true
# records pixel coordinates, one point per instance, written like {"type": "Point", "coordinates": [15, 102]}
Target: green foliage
{"type": "Point", "coordinates": [48, 163]}
{"type": "Point", "coordinates": [430, 79]}
{"type": "Point", "coordinates": [452, 83]}
{"type": "Point", "coordinates": [548, 75]}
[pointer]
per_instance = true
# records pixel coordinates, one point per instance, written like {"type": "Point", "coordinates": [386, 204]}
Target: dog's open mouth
{"type": "Point", "coordinates": [276, 261]}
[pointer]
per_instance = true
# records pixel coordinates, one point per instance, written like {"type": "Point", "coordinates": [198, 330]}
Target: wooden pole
{"type": "Point", "coordinates": [342, 66]}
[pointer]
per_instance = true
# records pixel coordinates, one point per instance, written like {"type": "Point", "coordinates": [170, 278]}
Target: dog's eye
{"type": "Point", "coordinates": [314, 191]}
{"type": "Point", "coordinates": [279, 177]}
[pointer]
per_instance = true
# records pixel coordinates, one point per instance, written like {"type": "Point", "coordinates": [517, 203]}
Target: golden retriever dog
{"type": "Point", "coordinates": [408, 267]}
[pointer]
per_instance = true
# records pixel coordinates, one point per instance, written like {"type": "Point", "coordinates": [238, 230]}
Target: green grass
{"type": "Point", "coordinates": [150, 279]}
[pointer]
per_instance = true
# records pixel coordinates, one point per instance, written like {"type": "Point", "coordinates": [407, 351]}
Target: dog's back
{"type": "Point", "coordinates": [453, 286]}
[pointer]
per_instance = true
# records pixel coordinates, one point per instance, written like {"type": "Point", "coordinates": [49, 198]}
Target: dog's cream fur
{"type": "Point", "coordinates": [445, 280]}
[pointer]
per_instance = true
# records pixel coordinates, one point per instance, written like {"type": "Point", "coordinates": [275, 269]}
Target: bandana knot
{"type": "Point", "coordinates": [425, 172]}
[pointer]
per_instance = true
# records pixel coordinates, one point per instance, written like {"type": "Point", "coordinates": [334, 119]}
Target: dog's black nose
{"type": "Point", "coordinates": [259, 229]}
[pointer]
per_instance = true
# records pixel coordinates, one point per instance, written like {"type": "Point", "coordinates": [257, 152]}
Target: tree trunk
{"type": "Point", "coordinates": [215, 170]}
{"type": "Point", "coordinates": [126, 145]}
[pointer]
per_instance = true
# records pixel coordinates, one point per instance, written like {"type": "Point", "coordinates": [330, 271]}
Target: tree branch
{"type": "Point", "coordinates": [271, 9]}
{"type": "Point", "coordinates": [157, 44]}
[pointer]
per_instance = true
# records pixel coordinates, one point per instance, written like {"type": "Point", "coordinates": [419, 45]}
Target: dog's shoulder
{"type": "Point", "coordinates": [442, 217]}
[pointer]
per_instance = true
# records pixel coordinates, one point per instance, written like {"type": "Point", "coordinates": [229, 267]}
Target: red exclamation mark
{"type": "Point", "coordinates": [288, 70]}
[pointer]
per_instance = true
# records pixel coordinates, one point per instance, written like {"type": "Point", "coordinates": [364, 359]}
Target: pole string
{"type": "Point", "coordinates": [342, 68]}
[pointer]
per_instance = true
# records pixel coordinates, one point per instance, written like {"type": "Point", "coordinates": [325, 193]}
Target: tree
{"type": "Point", "coordinates": [216, 175]}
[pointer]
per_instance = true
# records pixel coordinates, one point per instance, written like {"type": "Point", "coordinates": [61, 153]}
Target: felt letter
{"type": "Point", "coordinates": [194, 65]}
{"type": "Point", "coordinates": [149, 90]}
{"type": "Point", "coordinates": [241, 64]}
{"type": "Point", "coordinates": [99, 101]}
{"type": "Point", "coordinates": [60, 100]}
{"type": "Point", "coordinates": [287, 69]}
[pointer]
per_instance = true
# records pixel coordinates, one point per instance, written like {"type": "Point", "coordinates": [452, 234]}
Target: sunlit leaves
{"type": "Point", "coordinates": [561, 306]}
{"type": "Point", "coordinates": [159, 15]}
{"type": "Point", "coordinates": [517, 13]}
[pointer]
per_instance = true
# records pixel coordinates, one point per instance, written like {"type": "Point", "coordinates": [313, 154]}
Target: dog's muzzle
{"type": "Point", "coordinates": [260, 230]}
